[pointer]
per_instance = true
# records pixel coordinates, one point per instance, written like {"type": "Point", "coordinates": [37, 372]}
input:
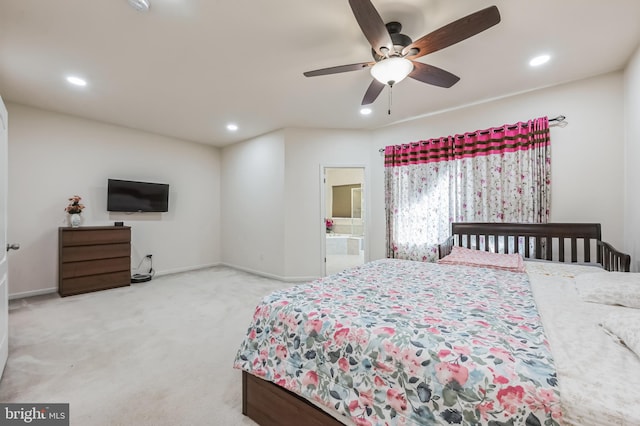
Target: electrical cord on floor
{"type": "Point", "coordinates": [140, 263]}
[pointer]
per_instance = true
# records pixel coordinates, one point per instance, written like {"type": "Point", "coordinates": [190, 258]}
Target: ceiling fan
{"type": "Point", "coordinates": [394, 53]}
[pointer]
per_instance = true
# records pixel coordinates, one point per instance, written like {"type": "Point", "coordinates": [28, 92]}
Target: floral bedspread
{"type": "Point", "coordinates": [397, 342]}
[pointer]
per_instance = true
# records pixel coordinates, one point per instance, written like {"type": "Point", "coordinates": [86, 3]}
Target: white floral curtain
{"type": "Point", "coordinates": [501, 174]}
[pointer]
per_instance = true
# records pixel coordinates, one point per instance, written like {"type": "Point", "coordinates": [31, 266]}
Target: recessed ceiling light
{"type": "Point", "coordinates": [539, 60]}
{"type": "Point", "coordinates": [139, 5]}
{"type": "Point", "coordinates": [232, 127]}
{"type": "Point", "coordinates": [77, 81]}
{"type": "Point", "coordinates": [365, 111]}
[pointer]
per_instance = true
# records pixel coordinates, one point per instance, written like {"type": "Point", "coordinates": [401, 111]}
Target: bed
{"type": "Point", "coordinates": [401, 342]}
{"type": "Point", "coordinates": [561, 242]}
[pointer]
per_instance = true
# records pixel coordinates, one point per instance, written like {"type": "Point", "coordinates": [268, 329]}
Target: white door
{"type": "Point", "coordinates": [4, 307]}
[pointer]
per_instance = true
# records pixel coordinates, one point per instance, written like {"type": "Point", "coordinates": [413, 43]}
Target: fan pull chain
{"type": "Point", "coordinates": [390, 98]}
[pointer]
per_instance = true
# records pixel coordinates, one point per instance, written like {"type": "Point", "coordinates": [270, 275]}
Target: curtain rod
{"type": "Point", "coordinates": [559, 119]}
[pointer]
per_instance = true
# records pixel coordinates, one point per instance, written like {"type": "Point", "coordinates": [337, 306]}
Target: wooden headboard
{"type": "Point", "coordinates": [561, 242]}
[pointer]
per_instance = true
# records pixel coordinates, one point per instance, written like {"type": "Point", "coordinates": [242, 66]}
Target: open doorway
{"type": "Point", "coordinates": [344, 213]}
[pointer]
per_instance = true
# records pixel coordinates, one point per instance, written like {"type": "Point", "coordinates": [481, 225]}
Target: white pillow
{"type": "Point", "coordinates": [625, 327]}
{"type": "Point", "coordinates": [610, 288]}
{"type": "Point", "coordinates": [469, 257]}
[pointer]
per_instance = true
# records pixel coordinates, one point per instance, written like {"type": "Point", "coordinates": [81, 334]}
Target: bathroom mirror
{"type": "Point", "coordinates": [347, 201]}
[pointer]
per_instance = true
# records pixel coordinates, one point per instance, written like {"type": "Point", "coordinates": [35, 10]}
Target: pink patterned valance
{"type": "Point", "coordinates": [521, 136]}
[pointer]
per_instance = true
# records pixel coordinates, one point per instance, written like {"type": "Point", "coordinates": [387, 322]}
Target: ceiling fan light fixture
{"type": "Point", "coordinates": [392, 70]}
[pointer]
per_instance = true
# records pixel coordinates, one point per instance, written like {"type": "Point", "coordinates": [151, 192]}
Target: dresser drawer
{"type": "Point", "coordinates": [104, 251]}
{"type": "Point", "coordinates": [89, 283]}
{"type": "Point", "coordinates": [91, 267]}
{"type": "Point", "coordinates": [84, 236]}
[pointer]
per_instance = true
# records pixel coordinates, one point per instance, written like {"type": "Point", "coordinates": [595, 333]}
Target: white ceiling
{"type": "Point", "coordinates": [186, 68]}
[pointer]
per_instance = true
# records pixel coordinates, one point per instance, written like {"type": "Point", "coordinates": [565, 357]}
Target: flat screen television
{"type": "Point", "coordinates": [132, 196]}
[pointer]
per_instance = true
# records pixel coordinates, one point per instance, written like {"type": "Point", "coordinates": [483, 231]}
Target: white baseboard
{"type": "Point", "coordinates": [33, 293]}
{"type": "Point", "coordinates": [176, 271]}
{"type": "Point", "coordinates": [158, 273]}
{"type": "Point", "coordinates": [269, 275]}
{"type": "Point", "coordinates": [186, 269]}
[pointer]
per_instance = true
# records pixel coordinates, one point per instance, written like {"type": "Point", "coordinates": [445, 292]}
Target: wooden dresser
{"type": "Point", "coordinates": [93, 258]}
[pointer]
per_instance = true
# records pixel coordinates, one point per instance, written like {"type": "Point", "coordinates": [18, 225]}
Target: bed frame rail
{"type": "Point", "coordinates": [271, 405]}
{"type": "Point", "coordinates": [613, 260]}
{"type": "Point", "coordinates": [562, 242]}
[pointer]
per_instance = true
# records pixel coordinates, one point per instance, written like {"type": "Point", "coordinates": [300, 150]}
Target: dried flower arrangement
{"type": "Point", "coordinates": [74, 206]}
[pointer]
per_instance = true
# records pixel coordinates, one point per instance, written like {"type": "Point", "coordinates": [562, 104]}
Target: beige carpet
{"type": "Point", "coordinates": [157, 353]}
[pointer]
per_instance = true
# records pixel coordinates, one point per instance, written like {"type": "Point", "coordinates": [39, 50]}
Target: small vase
{"type": "Point", "coordinates": [74, 220]}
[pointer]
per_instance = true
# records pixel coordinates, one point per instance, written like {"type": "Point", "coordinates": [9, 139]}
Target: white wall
{"type": "Point", "coordinates": [587, 154]}
{"type": "Point", "coordinates": [307, 151]}
{"type": "Point", "coordinates": [632, 160]}
{"type": "Point", "coordinates": [271, 212]}
{"type": "Point", "coordinates": [252, 202]}
{"type": "Point", "coordinates": [54, 156]}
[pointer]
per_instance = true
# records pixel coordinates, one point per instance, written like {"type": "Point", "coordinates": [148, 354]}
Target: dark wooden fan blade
{"type": "Point", "coordinates": [433, 75]}
{"type": "Point", "coordinates": [454, 32]}
{"type": "Point", "coordinates": [339, 69]}
{"type": "Point", "coordinates": [372, 92]}
{"type": "Point", "coordinates": [372, 26]}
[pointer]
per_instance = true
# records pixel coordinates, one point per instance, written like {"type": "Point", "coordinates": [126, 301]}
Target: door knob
{"type": "Point", "coordinates": [13, 247]}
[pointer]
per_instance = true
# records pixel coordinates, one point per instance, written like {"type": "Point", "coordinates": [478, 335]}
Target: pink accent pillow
{"type": "Point", "coordinates": [464, 256]}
